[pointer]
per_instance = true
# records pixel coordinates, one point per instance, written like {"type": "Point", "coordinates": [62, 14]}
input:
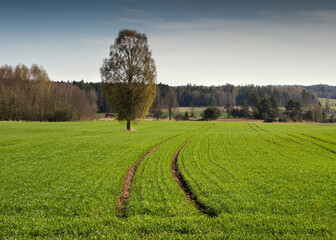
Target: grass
{"type": "Point", "coordinates": [196, 110]}
{"type": "Point", "coordinates": [266, 172]}
{"type": "Point", "coordinates": [62, 172]}
{"type": "Point", "coordinates": [62, 180]}
{"type": "Point", "coordinates": [332, 103]}
{"type": "Point", "coordinates": [100, 115]}
{"type": "Point", "coordinates": [155, 191]}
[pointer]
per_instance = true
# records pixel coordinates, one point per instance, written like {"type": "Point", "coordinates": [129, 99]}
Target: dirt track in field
{"type": "Point", "coordinates": [186, 189]}
{"type": "Point", "coordinates": [126, 188]}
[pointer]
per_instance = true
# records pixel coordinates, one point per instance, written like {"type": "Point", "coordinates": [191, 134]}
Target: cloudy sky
{"type": "Point", "coordinates": [204, 42]}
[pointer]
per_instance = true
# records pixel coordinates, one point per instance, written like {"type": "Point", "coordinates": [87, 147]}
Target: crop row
{"type": "Point", "coordinates": [263, 170]}
{"type": "Point", "coordinates": [57, 176]}
{"type": "Point", "coordinates": [259, 180]}
{"type": "Point", "coordinates": [154, 189]}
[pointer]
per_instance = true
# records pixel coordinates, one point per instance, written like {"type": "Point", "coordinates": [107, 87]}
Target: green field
{"type": "Point", "coordinates": [332, 103]}
{"type": "Point", "coordinates": [254, 180]}
{"type": "Point", "coordinates": [197, 111]}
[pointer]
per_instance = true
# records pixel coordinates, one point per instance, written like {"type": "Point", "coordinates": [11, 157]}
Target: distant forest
{"type": "Point", "coordinates": [28, 94]}
{"type": "Point", "coordinates": [202, 96]}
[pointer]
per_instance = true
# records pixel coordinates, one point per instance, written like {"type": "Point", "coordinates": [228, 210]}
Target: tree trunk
{"type": "Point", "coordinates": [128, 125]}
{"type": "Point", "coordinates": [170, 113]}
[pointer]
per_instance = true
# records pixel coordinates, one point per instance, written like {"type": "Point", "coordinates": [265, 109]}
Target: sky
{"type": "Point", "coordinates": [201, 42]}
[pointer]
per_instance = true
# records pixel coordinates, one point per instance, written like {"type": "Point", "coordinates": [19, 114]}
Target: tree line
{"type": "Point", "coordinates": [202, 96]}
{"type": "Point", "coordinates": [199, 96]}
{"type": "Point", "coordinates": [295, 103]}
{"type": "Point", "coordinates": [28, 94]}
{"type": "Point", "coordinates": [324, 91]}
{"type": "Point", "coordinates": [269, 110]}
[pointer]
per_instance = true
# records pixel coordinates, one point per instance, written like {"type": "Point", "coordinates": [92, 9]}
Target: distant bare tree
{"type": "Point", "coordinates": [156, 108]}
{"type": "Point", "coordinates": [171, 102]}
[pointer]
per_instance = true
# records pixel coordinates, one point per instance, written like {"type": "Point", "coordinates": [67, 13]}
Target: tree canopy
{"type": "Point", "coordinates": [129, 76]}
{"type": "Point", "coordinates": [211, 113]}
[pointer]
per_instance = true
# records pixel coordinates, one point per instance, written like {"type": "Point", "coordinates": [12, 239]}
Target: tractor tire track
{"type": "Point", "coordinates": [126, 187]}
{"type": "Point", "coordinates": [318, 139]}
{"type": "Point", "coordinates": [314, 143]}
{"type": "Point", "coordinates": [185, 188]}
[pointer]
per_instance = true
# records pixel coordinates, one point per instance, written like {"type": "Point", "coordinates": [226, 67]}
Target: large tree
{"type": "Point", "coordinates": [129, 76]}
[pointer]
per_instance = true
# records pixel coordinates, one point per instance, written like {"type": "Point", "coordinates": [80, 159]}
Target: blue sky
{"type": "Point", "coordinates": [198, 42]}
